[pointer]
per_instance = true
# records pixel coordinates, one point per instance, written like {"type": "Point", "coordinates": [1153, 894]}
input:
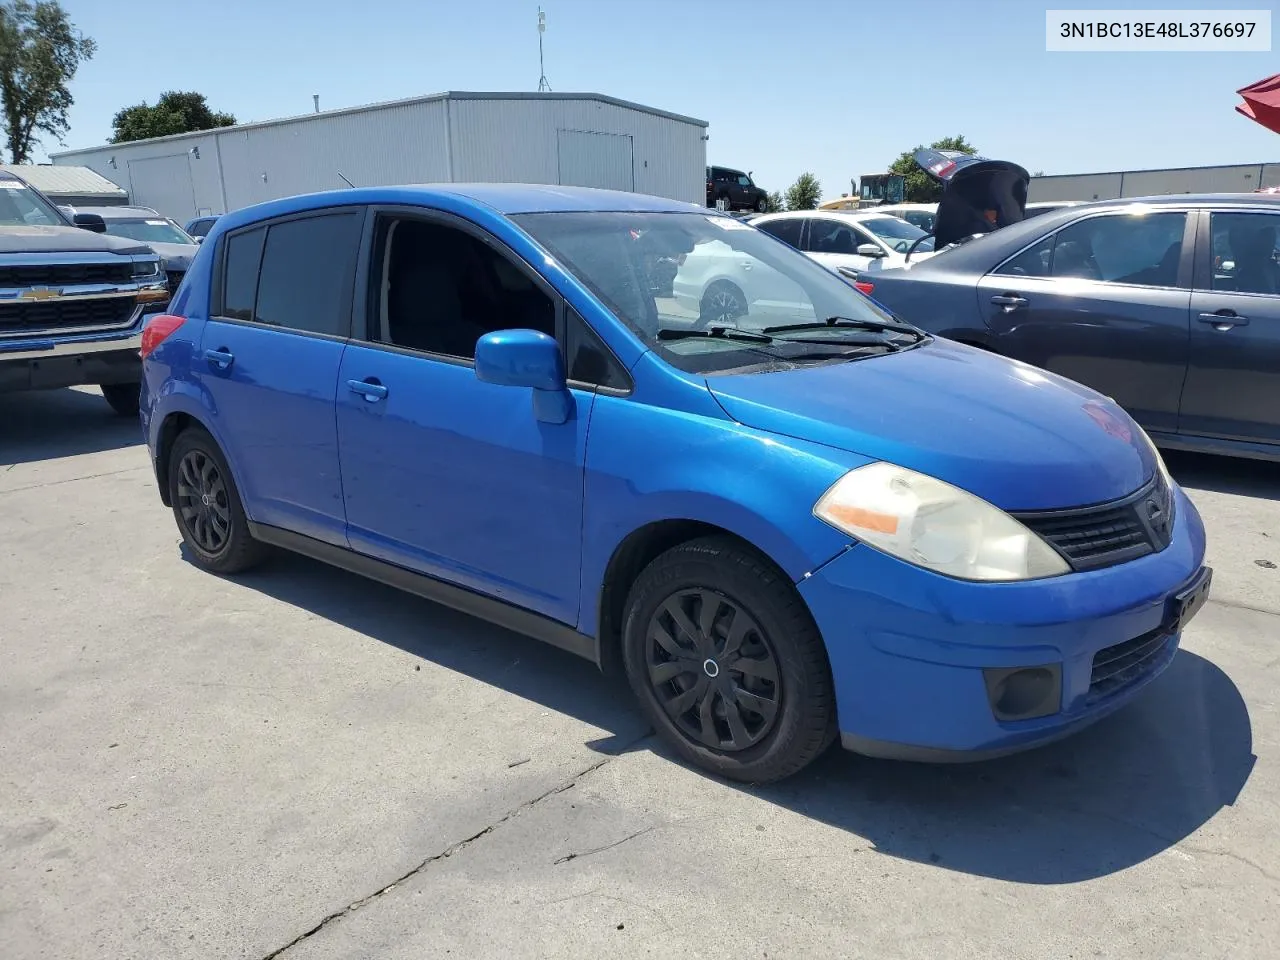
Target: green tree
{"type": "Point", "coordinates": [174, 112]}
{"type": "Point", "coordinates": [775, 203]}
{"type": "Point", "coordinates": [919, 186]}
{"type": "Point", "coordinates": [805, 193]}
{"type": "Point", "coordinates": [40, 51]}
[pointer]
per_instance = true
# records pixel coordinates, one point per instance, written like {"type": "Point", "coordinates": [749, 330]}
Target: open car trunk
{"type": "Point", "coordinates": [970, 185]}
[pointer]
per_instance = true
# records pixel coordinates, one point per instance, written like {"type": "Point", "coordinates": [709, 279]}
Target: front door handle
{"type": "Point", "coordinates": [370, 389]}
{"type": "Point", "coordinates": [1009, 301]}
{"type": "Point", "coordinates": [1224, 319]}
{"type": "Point", "coordinates": [220, 359]}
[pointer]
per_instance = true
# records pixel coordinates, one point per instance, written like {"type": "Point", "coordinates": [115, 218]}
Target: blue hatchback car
{"type": "Point", "coordinates": [816, 522]}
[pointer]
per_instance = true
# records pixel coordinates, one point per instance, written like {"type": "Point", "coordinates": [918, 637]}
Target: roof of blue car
{"type": "Point", "coordinates": [504, 198]}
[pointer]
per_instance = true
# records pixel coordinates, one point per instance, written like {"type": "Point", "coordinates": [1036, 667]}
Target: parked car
{"type": "Point", "coordinates": [72, 300]}
{"type": "Point", "coordinates": [843, 240]}
{"type": "Point", "coordinates": [199, 227]}
{"type": "Point", "coordinates": [1170, 305]}
{"type": "Point", "coordinates": [920, 215]}
{"type": "Point", "coordinates": [173, 244]}
{"type": "Point", "coordinates": [842, 527]}
{"type": "Point", "coordinates": [736, 189]}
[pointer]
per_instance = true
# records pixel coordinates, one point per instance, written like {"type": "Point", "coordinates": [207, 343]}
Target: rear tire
{"type": "Point", "coordinates": [727, 663]}
{"type": "Point", "coordinates": [721, 305]}
{"type": "Point", "coordinates": [123, 397]}
{"type": "Point", "coordinates": [207, 507]}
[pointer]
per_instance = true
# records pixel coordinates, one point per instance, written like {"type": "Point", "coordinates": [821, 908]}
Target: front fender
{"type": "Point", "coordinates": [649, 464]}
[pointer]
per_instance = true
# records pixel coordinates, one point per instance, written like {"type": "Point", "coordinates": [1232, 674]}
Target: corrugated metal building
{"type": "Point", "coordinates": [1239, 178]}
{"type": "Point", "coordinates": [73, 186]}
{"type": "Point", "coordinates": [575, 139]}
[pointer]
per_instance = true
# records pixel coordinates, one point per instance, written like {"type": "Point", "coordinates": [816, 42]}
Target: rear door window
{"type": "Point", "coordinates": [308, 268]}
{"type": "Point", "coordinates": [787, 230]}
{"type": "Point", "coordinates": [1246, 252]}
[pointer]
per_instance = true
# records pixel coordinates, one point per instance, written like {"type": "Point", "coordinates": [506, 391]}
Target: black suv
{"type": "Point", "coordinates": [736, 189]}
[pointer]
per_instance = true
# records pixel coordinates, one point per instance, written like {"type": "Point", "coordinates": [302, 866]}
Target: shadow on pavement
{"type": "Point", "coordinates": [1202, 471]}
{"type": "Point", "coordinates": [47, 424]}
{"type": "Point", "coordinates": [1111, 797]}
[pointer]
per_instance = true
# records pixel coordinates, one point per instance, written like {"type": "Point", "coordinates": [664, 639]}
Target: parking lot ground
{"type": "Point", "coordinates": [303, 764]}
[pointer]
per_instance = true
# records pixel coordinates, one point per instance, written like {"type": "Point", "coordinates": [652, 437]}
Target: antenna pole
{"type": "Point", "coordinates": [544, 85]}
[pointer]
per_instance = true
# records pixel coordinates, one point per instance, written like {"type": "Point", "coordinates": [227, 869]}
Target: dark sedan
{"type": "Point", "coordinates": [1169, 305]}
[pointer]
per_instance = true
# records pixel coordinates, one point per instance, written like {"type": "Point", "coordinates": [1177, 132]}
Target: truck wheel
{"type": "Point", "coordinates": [207, 507]}
{"type": "Point", "coordinates": [123, 397]}
{"type": "Point", "coordinates": [727, 662]}
{"type": "Point", "coordinates": [762, 202]}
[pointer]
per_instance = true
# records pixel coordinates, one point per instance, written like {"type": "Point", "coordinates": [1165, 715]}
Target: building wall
{"type": "Point", "coordinates": [424, 141]}
{"type": "Point", "coordinates": [520, 141]}
{"type": "Point", "coordinates": [1239, 178]}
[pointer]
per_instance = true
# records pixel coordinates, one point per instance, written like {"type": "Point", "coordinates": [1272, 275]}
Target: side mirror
{"type": "Point", "coordinates": [870, 250]}
{"type": "Point", "coordinates": [526, 358]}
{"type": "Point", "coordinates": [198, 239]}
{"type": "Point", "coordinates": [89, 221]}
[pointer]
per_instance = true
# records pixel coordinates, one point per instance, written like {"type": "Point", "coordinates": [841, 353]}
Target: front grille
{"type": "Point", "coordinates": [19, 318]}
{"type": "Point", "coordinates": [1117, 666]}
{"type": "Point", "coordinates": [173, 278]}
{"type": "Point", "coordinates": [65, 274]}
{"type": "Point", "coordinates": [1109, 533]}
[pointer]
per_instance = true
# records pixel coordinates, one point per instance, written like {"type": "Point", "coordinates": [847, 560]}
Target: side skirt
{"type": "Point", "coordinates": [467, 601]}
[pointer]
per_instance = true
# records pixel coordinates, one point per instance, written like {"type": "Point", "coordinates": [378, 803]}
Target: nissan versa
{"type": "Point", "coordinates": [817, 522]}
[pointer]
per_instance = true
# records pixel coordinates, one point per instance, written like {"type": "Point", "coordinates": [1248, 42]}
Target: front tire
{"type": "Point", "coordinates": [123, 397]}
{"type": "Point", "coordinates": [727, 663]}
{"type": "Point", "coordinates": [762, 204]}
{"type": "Point", "coordinates": [207, 507]}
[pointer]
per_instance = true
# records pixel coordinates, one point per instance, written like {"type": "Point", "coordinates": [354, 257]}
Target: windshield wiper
{"type": "Point", "coordinates": [833, 322]}
{"type": "Point", "coordinates": [716, 332]}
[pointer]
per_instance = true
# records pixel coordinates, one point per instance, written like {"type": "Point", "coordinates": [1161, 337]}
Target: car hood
{"type": "Point", "coordinates": [64, 240]}
{"type": "Point", "coordinates": [176, 256]}
{"type": "Point", "coordinates": [1017, 436]}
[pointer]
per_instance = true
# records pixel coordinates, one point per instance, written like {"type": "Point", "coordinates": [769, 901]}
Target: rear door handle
{"type": "Point", "coordinates": [220, 359]}
{"type": "Point", "coordinates": [1009, 301]}
{"type": "Point", "coordinates": [370, 389]}
{"type": "Point", "coordinates": [1224, 319]}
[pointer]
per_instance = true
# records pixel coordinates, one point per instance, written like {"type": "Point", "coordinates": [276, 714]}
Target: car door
{"type": "Point", "coordinates": [269, 360]}
{"type": "Point", "coordinates": [834, 244]}
{"type": "Point", "coordinates": [1233, 378]}
{"type": "Point", "coordinates": [444, 474]}
{"type": "Point", "coordinates": [1105, 301]}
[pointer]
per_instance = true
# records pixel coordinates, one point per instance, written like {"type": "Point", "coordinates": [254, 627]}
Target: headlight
{"type": "Point", "coordinates": [1160, 464]}
{"type": "Point", "coordinates": [146, 268]}
{"type": "Point", "coordinates": [935, 525]}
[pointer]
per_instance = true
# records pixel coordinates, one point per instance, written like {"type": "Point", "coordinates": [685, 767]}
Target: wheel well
{"type": "Point", "coordinates": [635, 553]}
{"type": "Point", "coordinates": [173, 425]}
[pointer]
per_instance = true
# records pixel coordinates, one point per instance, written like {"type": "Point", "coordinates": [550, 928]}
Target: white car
{"type": "Point", "coordinates": [843, 239]}
{"type": "Point", "coordinates": [716, 284]}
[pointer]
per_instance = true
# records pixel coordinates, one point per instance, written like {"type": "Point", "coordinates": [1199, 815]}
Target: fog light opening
{"type": "Point", "coordinates": [1024, 693]}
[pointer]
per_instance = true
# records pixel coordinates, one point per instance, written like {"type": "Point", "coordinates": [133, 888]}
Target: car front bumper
{"type": "Point", "coordinates": [918, 658]}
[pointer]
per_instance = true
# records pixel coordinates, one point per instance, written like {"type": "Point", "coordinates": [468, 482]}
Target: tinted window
{"type": "Point", "coordinates": [200, 228]}
{"type": "Point", "coordinates": [244, 254]}
{"type": "Point", "coordinates": [590, 361]}
{"type": "Point", "coordinates": [443, 289]}
{"type": "Point", "coordinates": [1246, 252]}
{"type": "Point", "coordinates": [828, 236]}
{"type": "Point", "coordinates": [1032, 262]}
{"type": "Point", "coordinates": [307, 270]}
{"type": "Point", "coordinates": [788, 231]}
{"type": "Point", "coordinates": [1125, 248]}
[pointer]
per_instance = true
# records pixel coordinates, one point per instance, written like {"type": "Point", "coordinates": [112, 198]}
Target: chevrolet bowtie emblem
{"type": "Point", "coordinates": [41, 293]}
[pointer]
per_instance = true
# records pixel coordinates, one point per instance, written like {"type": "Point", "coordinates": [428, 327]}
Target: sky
{"type": "Point", "coordinates": [838, 89]}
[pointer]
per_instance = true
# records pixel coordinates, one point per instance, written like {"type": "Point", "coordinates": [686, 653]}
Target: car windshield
{"type": "Point", "coordinates": [150, 230]}
{"type": "Point", "coordinates": [898, 234]}
{"type": "Point", "coordinates": [711, 294]}
{"type": "Point", "coordinates": [21, 206]}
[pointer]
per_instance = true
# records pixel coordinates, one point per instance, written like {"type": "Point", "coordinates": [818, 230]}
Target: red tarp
{"type": "Point", "coordinates": [1262, 102]}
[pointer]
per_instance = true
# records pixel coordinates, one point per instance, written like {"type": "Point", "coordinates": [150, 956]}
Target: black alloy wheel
{"type": "Point", "coordinates": [203, 502]}
{"type": "Point", "coordinates": [712, 670]}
